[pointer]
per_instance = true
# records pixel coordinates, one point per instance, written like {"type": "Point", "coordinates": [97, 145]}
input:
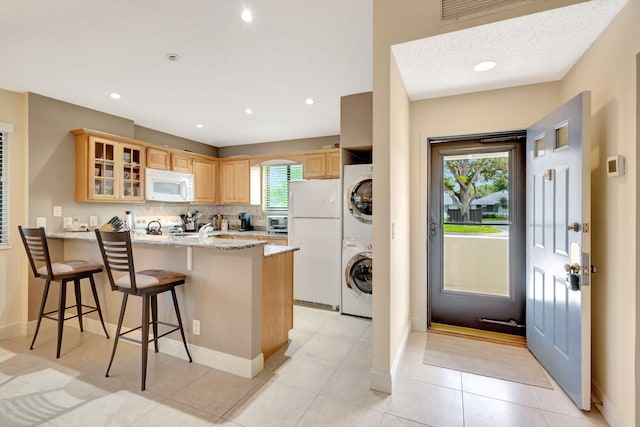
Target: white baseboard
{"type": "Point", "coordinates": [606, 407]}
{"type": "Point", "coordinates": [12, 331]}
{"type": "Point", "coordinates": [247, 368]}
{"type": "Point", "coordinates": [214, 359]}
{"type": "Point", "coordinates": [381, 381]}
{"type": "Point", "coordinates": [418, 325]}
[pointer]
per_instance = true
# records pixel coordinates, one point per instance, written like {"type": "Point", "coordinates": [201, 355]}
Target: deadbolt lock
{"type": "Point", "coordinates": [572, 268]}
{"type": "Point", "coordinates": [573, 227]}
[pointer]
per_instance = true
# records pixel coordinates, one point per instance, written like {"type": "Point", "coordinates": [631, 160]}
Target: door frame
{"type": "Point", "coordinates": [489, 137]}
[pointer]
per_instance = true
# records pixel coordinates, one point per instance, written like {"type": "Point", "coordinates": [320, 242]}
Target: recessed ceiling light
{"type": "Point", "coordinates": [484, 66]}
{"type": "Point", "coordinates": [248, 110]}
{"type": "Point", "coordinates": [199, 125]}
{"type": "Point", "coordinates": [115, 95]}
{"type": "Point", "coordinates": [173, 57]}
{"type": "Point", "coordinates": [309, 101]}
{"type": "Point", "coordinates": [246, 15]}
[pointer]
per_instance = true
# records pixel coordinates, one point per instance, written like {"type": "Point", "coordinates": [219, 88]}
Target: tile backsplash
{"type": "Point", "coordinates": [228, 212]}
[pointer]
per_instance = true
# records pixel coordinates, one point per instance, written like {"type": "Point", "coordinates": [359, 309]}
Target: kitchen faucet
{"type": "Point", "coordinates": [203, 233]}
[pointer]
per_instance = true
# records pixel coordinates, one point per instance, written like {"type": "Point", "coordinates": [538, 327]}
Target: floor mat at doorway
{"type": "Point", "coordinates": [484, 358]}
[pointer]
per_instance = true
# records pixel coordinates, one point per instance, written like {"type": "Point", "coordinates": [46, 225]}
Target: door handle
{"type": "Point", "coordinates": [573, 278]}
{"type": "Point", "coordinates": [433, 227]}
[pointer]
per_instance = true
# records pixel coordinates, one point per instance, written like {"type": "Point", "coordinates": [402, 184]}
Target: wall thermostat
{"type": "Point", "coordinates": [615, 166]}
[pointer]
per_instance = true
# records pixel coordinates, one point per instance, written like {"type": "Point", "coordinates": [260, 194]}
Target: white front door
{"type": "Point", "coordinates": [558, 239]}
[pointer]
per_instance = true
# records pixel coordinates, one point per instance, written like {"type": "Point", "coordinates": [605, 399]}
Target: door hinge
{"type": "Point", "coordinates": [585, 227]}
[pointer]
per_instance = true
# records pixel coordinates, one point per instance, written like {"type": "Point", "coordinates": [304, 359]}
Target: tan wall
{"type": "Point", "coordinates": [279, 146]}
{"type": "Point", "coordinates": [13, 262]}
{"type": "Point", "coordinates": [167, 140]}
{"type": "Point", "coordinates": [608, 69]}
{"type": "Point", "coordinates": [399, 208]}
{"type": "Point", "coordinates": [355, 120]}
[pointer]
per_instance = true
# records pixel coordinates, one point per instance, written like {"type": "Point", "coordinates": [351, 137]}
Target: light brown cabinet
{"type": "Point", "coordinates": [321, 165]}
{"type": "Point", "coordinates": [157, 158]}
{"type": "Point", "coordinates": [235, 182]}
{"type": "Point", "coordinates": [181, 163]}
{"type": "Point", "coordinates": [204, 177]}
{"type": "Point", "coordinates": [108, 170]}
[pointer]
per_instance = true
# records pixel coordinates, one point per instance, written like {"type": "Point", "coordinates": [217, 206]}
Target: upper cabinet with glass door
{"type": "Point", "coordinates": [108, 170]}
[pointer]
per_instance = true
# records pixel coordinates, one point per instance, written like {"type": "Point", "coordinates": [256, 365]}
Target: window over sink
{"type": "Point", "coordinates": [275, 185]}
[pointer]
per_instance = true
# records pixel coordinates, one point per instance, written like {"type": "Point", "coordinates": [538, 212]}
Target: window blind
{"type": "Point", "coordinates": [276, 186]}
{"type": "Point", "coordinates": [4, 191]}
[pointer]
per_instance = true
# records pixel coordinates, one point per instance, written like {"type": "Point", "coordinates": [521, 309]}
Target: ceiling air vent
{"type": "Point", "coordinates": [452, 10]}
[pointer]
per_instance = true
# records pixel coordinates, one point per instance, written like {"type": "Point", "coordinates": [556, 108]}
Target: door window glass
{"type": "Point", "coordinates": [476, 223]}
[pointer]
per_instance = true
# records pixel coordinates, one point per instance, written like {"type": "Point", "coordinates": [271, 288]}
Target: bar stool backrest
{"type": "Point", "coordinates": [35, 243]}
{"type": "Point", "coordinates": [117, 255]}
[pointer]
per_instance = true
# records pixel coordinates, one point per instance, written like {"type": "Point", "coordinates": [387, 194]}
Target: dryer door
{"type": "Point", "coordinates": [361, 199]}
{"type": "Point", "coordinates": [358, 274]}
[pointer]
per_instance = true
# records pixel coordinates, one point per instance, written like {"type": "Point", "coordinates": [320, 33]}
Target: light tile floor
{"type": "Point", "coordinates": [320, 379]}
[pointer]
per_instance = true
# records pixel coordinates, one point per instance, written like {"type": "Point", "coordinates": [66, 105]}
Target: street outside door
{"type": "Point", "coordinates": [558, 302]}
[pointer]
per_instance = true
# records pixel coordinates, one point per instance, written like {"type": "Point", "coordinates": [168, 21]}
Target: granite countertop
{"type": "Point", "coordinates": [252, 233]}
{"type": "Point", "coordinates": [187, 241]}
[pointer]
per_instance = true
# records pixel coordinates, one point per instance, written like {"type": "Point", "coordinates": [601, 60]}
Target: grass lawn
{"type": "Point", "coordinates": [451, 228]}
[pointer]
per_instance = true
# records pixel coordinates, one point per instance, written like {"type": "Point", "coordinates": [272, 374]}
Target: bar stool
{"type": "Point", "coordinates": [35, 243]}
{"type": "Point", "coordinates": [118, 256]}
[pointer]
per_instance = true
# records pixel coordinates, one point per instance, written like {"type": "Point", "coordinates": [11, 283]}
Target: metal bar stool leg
{"type": "Point", "coordinates": [175, 305]}
{"type": "Point", "coordinates": [145, 339]}
{"type": "Point", "coordinates": [115, 341]}
{"type": "Point", "coordinates": [77, 291]}
{"type": "Point", "coordinates": [95, 298]}
{"type": "Point", "coordinates": [61, 311]}
{"type": "Point", "coordinates": [154, 320]}
{"type": "Point", "coordinates": [45, 294]}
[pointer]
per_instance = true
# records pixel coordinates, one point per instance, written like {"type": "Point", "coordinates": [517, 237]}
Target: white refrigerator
{"type": "Point", "coordinates": [315, 226]}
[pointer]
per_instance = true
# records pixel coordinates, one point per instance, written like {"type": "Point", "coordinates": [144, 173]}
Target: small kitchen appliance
{"type": "Point", "coordinates": [277, 224]}
{"type": "Point", "coordinates": [245, 221]}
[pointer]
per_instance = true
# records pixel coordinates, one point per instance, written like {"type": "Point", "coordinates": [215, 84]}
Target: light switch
{"type": "Point", "coordinates": [93, 220]}
{"type": "Point", "coordinates": [67, 222]}
{"type": "Point", "coordinates": [41, 222]}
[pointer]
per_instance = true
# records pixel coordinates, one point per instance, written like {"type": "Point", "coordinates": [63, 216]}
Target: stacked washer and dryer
{"type": "Point", "coordinates": [357, 248]}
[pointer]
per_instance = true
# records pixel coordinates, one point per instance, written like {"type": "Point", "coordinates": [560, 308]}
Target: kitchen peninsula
{"type": "Point", "coordinates": [240, 292]}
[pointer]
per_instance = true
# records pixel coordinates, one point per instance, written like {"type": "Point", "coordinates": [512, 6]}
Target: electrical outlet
{"type": "Point", "coordinates": [41, 222]}
{"type": "Point", "coordinates": [196, 327]}
{"type": "Point", "coordinates": [67, 222]}
{"type": "Point", "coordinates": [57, 211]}
{"type": "Point", "coordinates": [93, 220]}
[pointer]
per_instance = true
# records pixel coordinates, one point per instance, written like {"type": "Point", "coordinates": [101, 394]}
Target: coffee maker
{"type": "Point", "coordinates": [245, 221]}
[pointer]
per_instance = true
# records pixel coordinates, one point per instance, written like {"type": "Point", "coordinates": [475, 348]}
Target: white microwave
{"type": "Point", "coordinates": [168, 186]}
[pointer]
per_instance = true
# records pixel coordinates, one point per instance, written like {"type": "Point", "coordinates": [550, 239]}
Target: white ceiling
{"type": "Point", "coordinates": [80, 51]}
{"type": "Point", "coordinates": [530, 49]}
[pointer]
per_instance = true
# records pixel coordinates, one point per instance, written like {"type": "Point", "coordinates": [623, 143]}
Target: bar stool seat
{"type": "Point", "coordinates": [35, 243]}
{"type": "Point", "coordinates": [117, 255]}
